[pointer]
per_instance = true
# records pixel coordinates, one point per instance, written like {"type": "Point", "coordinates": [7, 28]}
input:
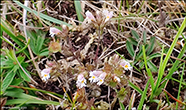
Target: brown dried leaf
{"type": "Point", "coordinates": [107, 68]}
{"type": "Point", "coordinates": [87, 46]}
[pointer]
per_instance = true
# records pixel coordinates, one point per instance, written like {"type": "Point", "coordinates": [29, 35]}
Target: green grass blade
{"type": "Point", "coordinates": [143, 96]}
{"type": "Point", "coordinates": [161, 70]}
{"type": "Point", "coordinates": [31, 101]}
{"type": "Point", "coordinates": [78, 10]}
{"type": "Point", "coordinates": [135, 87]}
{"type": "Point", "coordinates": [23, 47]}
{"type": "Point", "coordinates": [43, 91]}
{"type": "Point", "coordinates": [180, 86]}
{"type": "Point", "coordinates": [175, 65]}
{"type": "Point", "coordinates": [148, 70]}
{"type": "Point", "coordinates": [41, 15]}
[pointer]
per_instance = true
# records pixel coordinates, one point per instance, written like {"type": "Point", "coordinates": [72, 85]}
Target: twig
{"type": "Point", "coordinates": [137, 49]}
{"type": "Point", "coordinates": [99, 41]}
{"type": "Point", "coordinates": [24, 70]}
{"type": "Point", "coordinates": [112, 51]}
{"type": "Point", "coordinates": [24, 29]}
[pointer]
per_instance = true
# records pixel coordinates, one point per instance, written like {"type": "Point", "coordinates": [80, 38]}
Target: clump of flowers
{"type": "Point", "coordinates": [81, 81]}
{"type": "Point", "coordinates": [101, 18]}
{"type": "Point", "coordinates": [97, 76]}
{"type": "Point", "coordinates": [45, 74]}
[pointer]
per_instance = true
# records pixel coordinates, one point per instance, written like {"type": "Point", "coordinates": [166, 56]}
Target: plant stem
{"type": "Point", "coordinates": [97, 50]}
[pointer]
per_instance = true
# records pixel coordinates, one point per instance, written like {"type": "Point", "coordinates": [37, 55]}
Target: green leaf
{"type": "Point", "coordinates": [133, 41]}
{"type": "Point", "coordinates": [155, 55]}
{"type": "Point", "coordinates": [78, 10]}
{"type": "Point", "coordinates": [141, 64]}
{"type": "Point", "coordinates": [130, 48]}
{"type": "Point", "coordinates": [135, 34]}
{"type": "Point", "coordinates": [152, 42]}
{"type": "Point", "coordinates": [8, 80]}
{"type": "Point", "coordinates": [16, 81]}
{"type": "Point", "coordinates": [152, 67]}
{"type": "Point", "coordinates": [140, 53]}
{"type": "Point", "coordinates": [144, 37]}
{"type": "Point", "coordinates": [39, 44]}
{"type": "Point", "coordinates": [112, 84]}
{"type": "Point", "coordinates": [44, 52]}
{"type": "Point", "coordinates": [23, 75]}
{"type": "Point", "coordinates": [121, 94]}
{"type": "Point", "coordinates": [121, 106]}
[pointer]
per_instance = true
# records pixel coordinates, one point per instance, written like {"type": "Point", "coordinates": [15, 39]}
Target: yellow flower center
{"type": "Point", "coordinates": [82, 81]}
{"type": "Point", "coordinates": [93, 77]}
{"type": "Point", "coordinates": [45, 75]}
{"type": "Point", "coordinates": [101, 80]}
{"type": "Point", "coordinates": [126, 66]}
{"type": "Point", "coordinates": [108, 17]}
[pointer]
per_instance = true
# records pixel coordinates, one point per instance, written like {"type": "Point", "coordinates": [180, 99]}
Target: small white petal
{"type": "Point", "coordinates": [101, 78]}
{"type": "Point", "coordinates": [81, 81]}
{"type": "Point", "coordinates": [116, 79]}
{"type": "Point", "coordinates": [90, 16]}
{"type": "Point", "coordinates": [45, 73]}
{"type": "Point", "coordinates": [126, 65]}
{"type": "Point", "coordinates": [54, 31]}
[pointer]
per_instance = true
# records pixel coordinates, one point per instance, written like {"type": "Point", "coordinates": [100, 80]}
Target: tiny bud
{"type": "Point", "coordinates": [54, 47]}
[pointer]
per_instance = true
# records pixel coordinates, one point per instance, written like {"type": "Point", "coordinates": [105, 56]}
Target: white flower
{"type": "Point", "coordinates": [94, 75]}
{"type": "Point", "coordinates": [101, 78]}
{"type": "Point", "coordinates": [126, 65]}
{"type": "Point", "coordinates": [81, 81]}
{"type": "Point", "coordinates": [108, 15]}
{"type": "Point", "coordinates": [45, 74]}
{"type": "Point", "coordinates": [116, 79]}
{"type": "Point", "coordinates": [90, 16]}
{"type": "Point", "coordinates": [54, 31]}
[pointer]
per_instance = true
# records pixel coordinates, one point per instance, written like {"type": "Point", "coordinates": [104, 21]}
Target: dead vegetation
{"type": "Point", "coordinates": [84, 48]}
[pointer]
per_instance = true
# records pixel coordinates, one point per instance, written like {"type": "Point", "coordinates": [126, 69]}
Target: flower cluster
{"type": "Point", "coordinates": [45, 74]}
{"type": "Point", "coordinates": [95, 76]}
{"type": "Point", "coordinates": [98, 76]}
{"type": "Point", "coordinates": [101, 18]}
